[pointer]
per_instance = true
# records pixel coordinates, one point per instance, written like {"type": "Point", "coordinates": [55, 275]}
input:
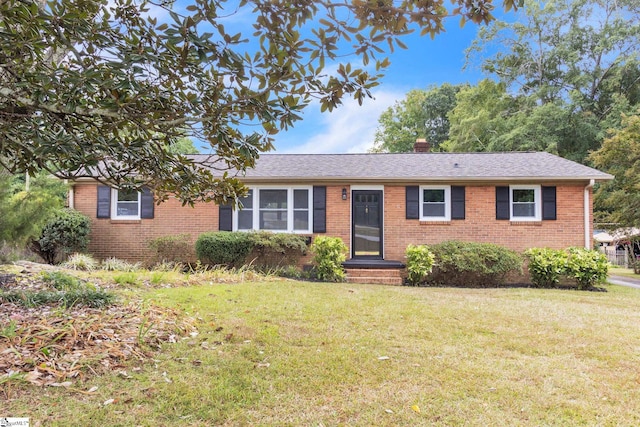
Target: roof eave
{"type": "Point", "coordinates": [426, 178]}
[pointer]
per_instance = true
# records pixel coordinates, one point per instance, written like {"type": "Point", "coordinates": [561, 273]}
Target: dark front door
{"type": "Point", "coordinates": [367, 223]}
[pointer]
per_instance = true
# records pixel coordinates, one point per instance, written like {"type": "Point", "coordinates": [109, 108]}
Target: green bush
{"type": "Point", "coordinates": [472, 264]}
{"type": "Point", "coordinates": [329, 254]}
{"type": "Point", "coordinates": [587, 267]}
{"type": "Point", "coordinates": [419, 263]}
{"type": "Point", "coordinates": [65, 233]}
{"type": "Point", "coordinates": [546, 266]}
{"type": "Point", "coordinates": [173, 249]}
{"type": "Point", "coordinates": [261, 249]}
{"type": "Point", "coordinates": [224, 248]}
{"type": "Point", "coordinates": [275, 250]}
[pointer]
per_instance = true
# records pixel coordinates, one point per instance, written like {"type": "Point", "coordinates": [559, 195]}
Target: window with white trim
{"type": "Point", "coordinates": [125, 204]}
{"type": "Point", "coordinates": [526, 204]}
{"type": "Point", "coordinates": [278, 209]}
{"type": "Point", "coordinates": [435, 203]}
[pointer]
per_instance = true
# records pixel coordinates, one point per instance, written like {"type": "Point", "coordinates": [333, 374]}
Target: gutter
{"type": "Point", "coordinates": [587, 223]}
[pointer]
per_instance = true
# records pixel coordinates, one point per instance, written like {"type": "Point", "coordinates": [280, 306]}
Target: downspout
{"type": "Point", "coordinates": [70, 201]}
{"type": "Point", "coordinates": [587, 216]}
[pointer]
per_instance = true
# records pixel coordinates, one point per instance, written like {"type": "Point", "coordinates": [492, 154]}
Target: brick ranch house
{"type": "Point", "coordinates": [376, 203]}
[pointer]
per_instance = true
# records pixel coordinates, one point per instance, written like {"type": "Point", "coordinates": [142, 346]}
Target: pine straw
{"type": "Point", "coordinates": [49, 346]}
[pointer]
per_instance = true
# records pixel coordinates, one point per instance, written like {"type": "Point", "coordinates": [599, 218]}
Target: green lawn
{"type": "Point", "coordinates": [621, 271]}
{"type": "Point", "coordinates": [295, 353]}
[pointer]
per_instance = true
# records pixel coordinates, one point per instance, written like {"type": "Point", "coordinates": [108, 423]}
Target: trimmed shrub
{"type": "Point", "coordinates": [546, 266]}
{"type": "Point", "coordinates": [260, 249]}
{"type": "Point", "coordinates": [587, 267]}
{"type": "Point", "coordinates": [276, 250]}
{"type": "Point", "coordinates": [472, 264]}
{"type": "Point", "coordinates": [65, 233]}
{"type": "Point", "coordinates": [223, 248]}
{"type": "Point", "coordinates": [173, 249]}
{"type": "Point", "coordinates": [419, 263]}
{"type": "Point", "coordinates": [329, 254]}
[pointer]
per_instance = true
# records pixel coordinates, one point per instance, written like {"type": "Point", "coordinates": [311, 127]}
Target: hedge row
{"type": "Point", "coordinates": [547, 267]}
{"type": "Point", "coordinates": [260, 249]}
{"type": "Point", "coordinates": [456, 263]}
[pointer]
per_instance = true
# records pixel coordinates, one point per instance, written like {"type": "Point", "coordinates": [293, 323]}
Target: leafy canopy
{"type": "Point", "coordinates": [422, 114]}
{"type": "Point", "coordinates": [103, 86]}
{"type": "Point", "coordinates": [618, 201]}
{"type": "Point", "coordinates": [570, 66]}
{"type": "Point", "coordinates": [562, 74]}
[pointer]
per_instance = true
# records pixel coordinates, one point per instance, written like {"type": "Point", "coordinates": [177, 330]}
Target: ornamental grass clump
{"type": "Point", "coordinates": [81, 262]}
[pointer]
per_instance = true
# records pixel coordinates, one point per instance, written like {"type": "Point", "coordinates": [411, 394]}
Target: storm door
{"type": "Point", "coordinates": [367, 223]}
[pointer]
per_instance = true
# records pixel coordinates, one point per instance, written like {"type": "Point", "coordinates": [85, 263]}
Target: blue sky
{"type": "Point", "coordinates": [351, 127]}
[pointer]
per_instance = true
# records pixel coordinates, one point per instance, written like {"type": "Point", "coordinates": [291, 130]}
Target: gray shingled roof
{"type": "Point", "coordinates": [518, 166]}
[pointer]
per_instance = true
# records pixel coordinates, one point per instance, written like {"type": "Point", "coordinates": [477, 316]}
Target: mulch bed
{"type": "Point", "coordinates": [54, 346]}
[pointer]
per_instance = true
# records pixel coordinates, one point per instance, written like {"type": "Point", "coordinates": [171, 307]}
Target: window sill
{"type": "Point", "coordinates": [535, 223]}
{"type": "Point", "coordinates": [125, 221]}
{"type": "Point", "coordinates": [437, 222]}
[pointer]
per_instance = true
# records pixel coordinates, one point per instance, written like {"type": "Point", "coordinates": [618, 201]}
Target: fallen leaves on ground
{"type": "Point", "coordinates": [53, 345]}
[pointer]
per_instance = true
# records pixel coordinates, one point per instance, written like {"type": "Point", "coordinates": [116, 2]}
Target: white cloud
{"type": "Point", "coordinates": [348, 129]}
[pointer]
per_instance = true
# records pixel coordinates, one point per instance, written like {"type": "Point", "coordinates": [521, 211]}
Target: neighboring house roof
{"type": "Point", "coordinates": [616, 235]}
{"type": "Point", "coordinates": [513, 166]}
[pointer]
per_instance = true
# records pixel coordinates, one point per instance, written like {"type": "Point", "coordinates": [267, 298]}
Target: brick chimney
{"type": "Point", "coordinates": [421, 146]}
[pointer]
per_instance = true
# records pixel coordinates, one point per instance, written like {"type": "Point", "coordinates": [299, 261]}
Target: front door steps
{"type": "Point", "coordinates": [374, 271]}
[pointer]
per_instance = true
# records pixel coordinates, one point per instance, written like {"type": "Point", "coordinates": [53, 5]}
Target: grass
{"type": "Point", "coordinates": [295, 353]}
{"type": "Point", "coordinates": [621, 271]}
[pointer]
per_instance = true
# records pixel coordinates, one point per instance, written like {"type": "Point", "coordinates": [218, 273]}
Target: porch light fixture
{"type": "Point", "coordinates": [344, 193]}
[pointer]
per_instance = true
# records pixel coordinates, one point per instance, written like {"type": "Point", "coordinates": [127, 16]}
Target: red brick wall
{"type": "Point", "coordinates": [480, 223]}
{"type": "Point", "coordinates": [129, 239]}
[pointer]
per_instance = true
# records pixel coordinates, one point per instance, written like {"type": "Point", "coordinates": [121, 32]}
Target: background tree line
{"type": "Point", "coordinates": [563, 78]}
{"type": "Point", "coordinates": [558, 79]}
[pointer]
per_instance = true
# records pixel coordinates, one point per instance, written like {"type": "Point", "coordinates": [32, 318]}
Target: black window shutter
{"type": "Point", "coordinates": [412, 202]}
{"type": "Point", "coordinates": [104, 202]}
{"type": "Point", "coordinates": [502, 203]}
{"type": "Point", "coordinates": [146, 204]}
{"type": "Point", "coordinates": [319, 209]}
{"type": "Point", "coordinates": [457, 202]}
{"type": "Point", "coordinates": [225, 218]}
{"type": "Point", "coordinates": [549, 203]}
